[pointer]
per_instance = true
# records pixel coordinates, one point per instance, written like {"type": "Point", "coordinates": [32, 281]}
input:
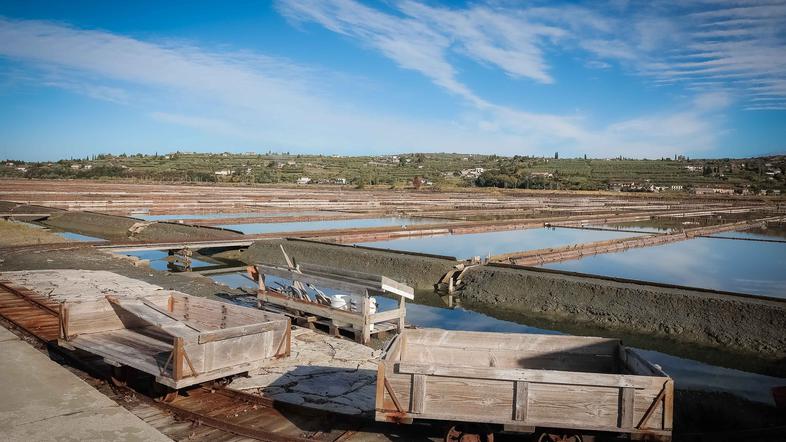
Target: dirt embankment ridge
{"type": "Point", "coordinates": [121, 228]}
{"type": "Point", "coordinates": [420, 272]}
{"type": "Point", "coordinates": [734, 323]}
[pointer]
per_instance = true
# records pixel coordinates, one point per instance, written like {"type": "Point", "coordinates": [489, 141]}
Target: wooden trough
{"type": "Point", "coordinates": [362, 323]}
{"type": "Point", "coordinates": [180, 339]}
{"type": "Point", "coordinates": [522, 382]}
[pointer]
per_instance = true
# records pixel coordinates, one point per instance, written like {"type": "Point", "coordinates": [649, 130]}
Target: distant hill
{"type": "Point", "coordinates": [441, 170]}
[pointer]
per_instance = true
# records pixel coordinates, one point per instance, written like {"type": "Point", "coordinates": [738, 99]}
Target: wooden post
{"type": "Point", "coordinates": [402, 313]}
{"type": "Point", "coordinates": [520, 401]}
{"type": "Point", "coordinates": [366, 327]}
{"type": "Point", "coordinates": [418, 395]}
{"type": "Point", "coordinates": [668, 405]}
{"type": "Point", "coordinates": [177, 359]}
{"type": "Point", "coordinates": [626, 407]}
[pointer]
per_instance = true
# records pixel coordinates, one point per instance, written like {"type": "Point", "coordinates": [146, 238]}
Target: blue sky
{"type": "Point", "coordinates": [705, 78]}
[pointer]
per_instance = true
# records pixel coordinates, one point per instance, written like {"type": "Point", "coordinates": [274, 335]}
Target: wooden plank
{"type": "Point", "coordinates": [418, 395]}
{"type": "Point", "coordinates": [390, 286]}
{"type": "Point", "coordinates": [177, 359]}
{"type": "Point", "coordinates": [384, 316]}
{"type": "Point", "coordinates": [627, 395]}
{"type": "Point", "coordinates": [512, 341]}
{"type": "Point", "coordinates": [169, 313]}
{"type": "Point", "coordinates": [227, 333]}
{"type": "Point", "coordinates": [521, 401]}
{"type": "Point", "coordinates": [483, 358]}
{"type": "Point", "coordinates": [668, 405]}
{"type": "Point", "coordinates": [528, 375]}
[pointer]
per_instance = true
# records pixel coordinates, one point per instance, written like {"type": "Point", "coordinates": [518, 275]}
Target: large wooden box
{"type": "Point", "coordinates": [180, 339]}
{"type": "Point", "coordinates": [523, 380]}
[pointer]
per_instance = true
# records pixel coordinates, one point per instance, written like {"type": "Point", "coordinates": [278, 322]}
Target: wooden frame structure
{"type": "Point", "coordinates": [180, 339]}
{"type": "Point", "coordinates": [523, 381]}
{"type": "Point", "coordinates": [362, 323]}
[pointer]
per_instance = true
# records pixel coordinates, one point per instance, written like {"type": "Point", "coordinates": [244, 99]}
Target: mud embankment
{"type": "Point", "coordinates": [732, 323]}
{"type": "Point", "coordinates": [419, 271]}
{"type": "Point", "coordinates": [121, 228]}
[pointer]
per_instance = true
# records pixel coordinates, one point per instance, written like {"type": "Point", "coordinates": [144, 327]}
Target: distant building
{"type": "Point", "coordinates": [712, 190]}
{"type": "Point", "coordinates": [341, 181]}
{"type": "Point", "coordinates": [472, 173]}
{"type": "Point", "coordinates": [677, 187]}
{"type": "Point", "coordinates": [225, 172]}
{"type": "Point", "coordinates": [303, 180]}
{"type": "Point", "coordinates": [76, 166]}
{"type": "Point", "coordinates": [541, 175]}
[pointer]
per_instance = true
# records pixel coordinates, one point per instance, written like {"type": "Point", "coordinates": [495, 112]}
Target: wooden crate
{"type": "Point", "coordinates": [180, 339]}
{"type": "Point", "coordinates": [523, 381]}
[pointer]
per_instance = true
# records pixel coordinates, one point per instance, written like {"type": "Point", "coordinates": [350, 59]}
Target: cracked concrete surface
{"type": "Point", "coordinates": [323, 372]}
{"type": "Point", "coordinates": [42, 401]}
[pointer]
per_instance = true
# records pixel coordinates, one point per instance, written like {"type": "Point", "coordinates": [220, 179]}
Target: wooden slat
{"type": "Point", "coordinates": [384, 316]}
{"type": "Point", "coordinates": [528, 375]}
{"type": "Point", "coordinates": [418, 395]}
{"type": "Point", "coordinates": [227, 333]}
{"type": "Point", "coordinates": [521, 401]}
{"type": "Point", "coordinates": [627, 395]}
{"type": "Point", "coordinates": [668, 405]}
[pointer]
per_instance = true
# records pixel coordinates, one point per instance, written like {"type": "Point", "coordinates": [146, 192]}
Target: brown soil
{"type": "Point", "coordinates": [749, 326]}
{"type": "Point", "coordinates": [116, 228]}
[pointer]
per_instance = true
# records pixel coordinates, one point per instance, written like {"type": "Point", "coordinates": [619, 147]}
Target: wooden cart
{"type": "Point", "coordinates": [180, 339]}
{"type": "Point", "coordinates": [522, 382]}
{"type": "Point", "coordinates": [362, 323]}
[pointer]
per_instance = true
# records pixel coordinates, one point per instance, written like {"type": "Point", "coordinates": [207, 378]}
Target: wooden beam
{"type": "Point", "coordinates": [530, 375]}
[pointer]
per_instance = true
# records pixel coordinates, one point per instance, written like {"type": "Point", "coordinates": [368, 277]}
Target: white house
{"type": "Point", "coordinates": [225, 172]}
{"type": "Point", "coordinates": [303, 180]}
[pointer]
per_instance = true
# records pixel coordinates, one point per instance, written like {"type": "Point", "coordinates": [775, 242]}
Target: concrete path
{"type": "Point", "coordinates": [42, 401]}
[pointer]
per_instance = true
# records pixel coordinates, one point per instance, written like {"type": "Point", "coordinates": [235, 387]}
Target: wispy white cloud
{"type": "Point", "coordinates": [264, 101]}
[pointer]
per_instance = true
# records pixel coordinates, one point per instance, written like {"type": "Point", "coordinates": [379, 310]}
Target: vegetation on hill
{"type": "Point", "coordinates": [425, 169]}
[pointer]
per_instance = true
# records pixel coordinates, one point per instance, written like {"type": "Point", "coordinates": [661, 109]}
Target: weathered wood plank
{"type": "Point", "coordinates": [522, 401]}
{"type": "Point", "coordinates": [418, 395]}
{"type": "Point", "coordinates": [227, 333]}
{"type": "Point", "coordinates": [627, 396]}
{"type": "Point", "coordinates": [528, 375]}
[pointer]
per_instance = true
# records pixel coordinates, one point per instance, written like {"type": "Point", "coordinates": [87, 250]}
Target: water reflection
{"type": "Point", "coordinates": [326, 225]}
{"type": "Point", "coordinates": [494, 243]}
{"type": "Point", "coordinates": [721, 264]}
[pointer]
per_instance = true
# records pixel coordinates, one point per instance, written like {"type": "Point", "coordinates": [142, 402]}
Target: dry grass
{"type": "Point", "coordinates": [19, 234]}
